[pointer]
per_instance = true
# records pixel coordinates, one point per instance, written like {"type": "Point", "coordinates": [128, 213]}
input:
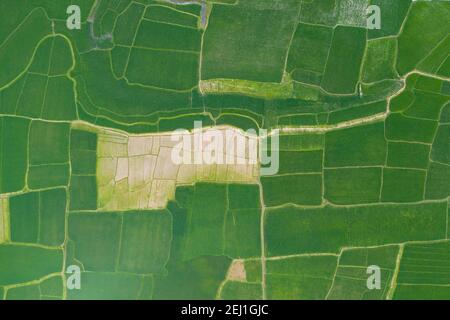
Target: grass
{"type": "Point", "coordinates": [348, 194]}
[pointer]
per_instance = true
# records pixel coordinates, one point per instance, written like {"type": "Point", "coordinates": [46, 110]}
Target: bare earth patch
{"type": "Point", "coordinates": [236, 272]}
{"type": "Point", "coordinates": [139, 171]}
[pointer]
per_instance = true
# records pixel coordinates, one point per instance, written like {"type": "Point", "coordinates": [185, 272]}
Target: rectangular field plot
{"type": "Point", "coordinates": [302, 119]}
{"type": "Point", "coordinates": [231, 224]}
{"type": "Point", "coordinates": [234, 290]}
{"type": "Point", "coordinates": [301, 142]}
{"type": "Point", "coordinates": [441, 145]}
{"type": "Point", "coordinates": [300, 162]}
{"type": "Point", "coordinates": [198, 278]}
{"type": "Point", "coordinates": [344, 61]}
{"type": "Point", "coordinates": [113, 286]}
{"type": "Point", "coordinates": [304, 278]}
{"type": "Point", "coordinates": [356, 112]}
{"type": "Point", "coordinates": [352, 185]}
{"type": "Point", "coordinates": [323, 12]}
{"type": "Point", "coordinates": [24, 217]}
{"type": "Point", "coordinates": [403, 185]}
{"type": "Point", "coordinates": [378, 64]}
{"type": "Point", "coordinates": [83, 192]}
{"type": "Point", "coordinates": [242, 227]}
{"type": "Point", "coordinates": [157, 35]}
{"type": "Point", "coordinates": [83, 158]}
{"type": "Point", "coordinates": [52, 209]}
{"type": "Point", "coordinates": [31, 100]}
{"type": "Point", "coordinates": [163, 69]}
{"type": "Point", "coordinates": [421, 292]}
{"type": "Point", "coordinates": [243, 197]}
{"type": "Point", "coordinates": [52, 287]}
{"type": "Point", "coordinates": [331, 228]}
{"type": "Point", "coordinates": [13, 153]}
{"type": "Point", "coordinates": [49, 143]}
{"type": "Point", "coordinates": [17, 259]}
{"type": "Point", "coordinates": [437, 186]}
{"type": "Point", "coordinates": [253, 270]}
{"type": "Point", "coordinates": [350, 282]}
{"type": "Point", "coordinates": [408, 155]}
{"type": "Point", "coordinates": [425, 264]}
{"type": "Point", "coordinates": [59, 103]}
{"type": "Point", "coordinates": [307, 39]}
{"type": "Point", "coordinates": [95, 238]}
{"type": "Point", "coordinates": [49, 175]}
{"type": "Point", "coordinates": [83, 152]}
{"type": "Point", "coordinates": [301, 189]}
{"type": "Point", "coordinates": [136, 242]}
{"type": "Point", "coordinates": [358, 146]}
{"type": "Point", "coordinates": [38, 217]}
{"type": "Point", "coordinates": [171, 15]}
{"type": "Point", "coordinates": [145, 241]}
{"type": "Point", "coordinates": [399, 127]}
{"type": "Point", "coordinates": [249, 40]}
{"type": "Point", "coordinates": [206, 220]}
{"type": "Point", "coordinates": [424, 272]}
{"type": "Point", "coordinates": [30, 292]}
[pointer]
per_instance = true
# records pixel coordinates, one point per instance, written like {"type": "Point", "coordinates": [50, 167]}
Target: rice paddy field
{"type": "Point", "coordinates": [362, 117]}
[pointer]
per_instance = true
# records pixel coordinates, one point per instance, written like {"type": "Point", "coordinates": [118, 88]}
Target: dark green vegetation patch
{"type": "Point", "coordinates": [18, 258]}
{"type": "Point", "coordinates": [39, 217]}
{"type": "Point", "coordinates": [424, 272]}
{"type": "Point", "coordinates": [329, 229]}
{"type": "Point", "coordinates": [344, 61]}
{"type": "Point", "coordinates": [249, 41]}
{"type": "Point", "coordinates": [358, 146]}
{"type": "Point", "coordinates": [13, 153]}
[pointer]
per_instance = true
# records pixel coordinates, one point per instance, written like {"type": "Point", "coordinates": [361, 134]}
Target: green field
{"type": "Point", "coordinates": [87, 176]}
